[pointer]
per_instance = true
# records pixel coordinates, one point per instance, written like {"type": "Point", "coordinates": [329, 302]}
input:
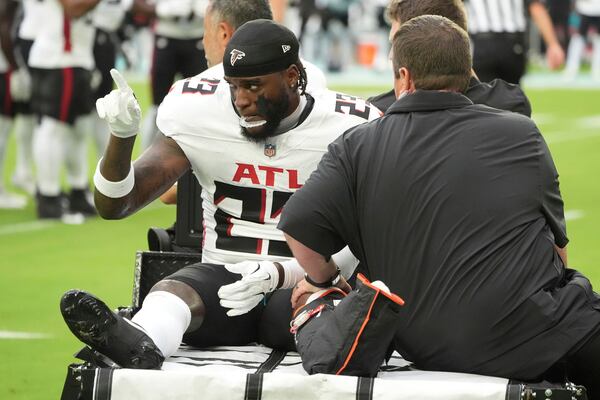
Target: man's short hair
{"type": "Point", "coordinates": [436, 51]}
{"type": "Point", "coordinates": [236, 12]}
{"type": "Point", "coordinates": [404, 10]}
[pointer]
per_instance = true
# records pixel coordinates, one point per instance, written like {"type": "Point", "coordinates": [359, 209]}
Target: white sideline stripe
{"type": "Point", "coordinates": [589, 122]}
{"type": "Point", "coordinates": [30, 226]}
{"type": "Point", "coordinates": [26, 227]}
{"type": "Point", "coordinates": [23, 335]}
{"type": "Point", "coordinates": [571, 215]}
{"type": "Point", "coordinates": [561, 137]}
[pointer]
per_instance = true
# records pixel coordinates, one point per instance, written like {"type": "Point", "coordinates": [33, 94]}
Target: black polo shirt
{"type": "Point", "coordinates": [497, 93]}
{"type": "Point", "coordinates": [457, 208]}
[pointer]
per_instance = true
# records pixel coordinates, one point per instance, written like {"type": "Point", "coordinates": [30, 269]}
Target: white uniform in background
{"type": "Point", "coordinates": [589, 12]}
{"type": "Point", "coordinates": [33, 20]}
{"type": "Point", "coordinates": [62, 56]}
{"type": "Point", "coordinates": [245, 184]}
{"type": "Point", "coordinates": [107, 17]}
{"type": "Point", "coordinates": [178, 51]}
{"type": "Point", "coordinates": [7, 199]}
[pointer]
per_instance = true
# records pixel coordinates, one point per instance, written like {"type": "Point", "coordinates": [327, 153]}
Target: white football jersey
{"type": "Point", "coordinates": [33, 18]}
{"type": "Point", "coordinates": [62, 42]}
{"type": "Point", "coordinates": [590, 8]}
{"type": "Point", "coordinates": [245, 185]}
{"type": "Point", "coordinates": [183, 27]}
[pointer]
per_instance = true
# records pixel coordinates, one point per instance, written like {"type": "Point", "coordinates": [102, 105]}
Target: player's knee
{"type": "Point", "coordinates": [189, 295]}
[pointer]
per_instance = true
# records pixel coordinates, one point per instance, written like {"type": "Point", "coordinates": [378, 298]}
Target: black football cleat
{"type": "Point", "coordinates": [92, 322]}
{"type": "Point", "coordinates": [49, 207]}
{"type": "Point", "coordinates": [80, 203]}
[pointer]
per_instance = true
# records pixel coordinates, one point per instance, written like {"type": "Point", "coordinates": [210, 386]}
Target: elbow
{"type": "Point", "coordinates": [110, 208]}
{"type": "Point", "coordinates": [110, 215]}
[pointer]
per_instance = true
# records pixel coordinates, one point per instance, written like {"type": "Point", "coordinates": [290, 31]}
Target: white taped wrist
{"type": "Point", "coordinates": [114, 190]}
{"type": "Point", "coordinates": [292, 273]}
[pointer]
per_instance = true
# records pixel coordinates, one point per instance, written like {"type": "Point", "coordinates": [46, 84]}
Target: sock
{"type": "Point", "coordinates": [48, 154]}
{"type": "Point", "coordinates": [574, 54]}
{"type": "Point", "coordinates": [165, 318]}
{"type": "Point", "coordinates": [596, 56]}
{"type": "Point", "coordinates": [76, 153]}
{"type": "Point", "coordinates": [5, 125]}
{"type": "Point", "coordinates": [24, 126]}
{"type": "Point", "coordinates": [149, 128]}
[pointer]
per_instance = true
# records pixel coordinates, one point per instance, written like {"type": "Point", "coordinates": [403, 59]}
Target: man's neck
{"type": "Point", "coordinates": [292, 120]}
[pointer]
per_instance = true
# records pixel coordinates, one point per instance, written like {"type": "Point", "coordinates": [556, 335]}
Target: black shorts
{"type": "Point", "coordinates": [63, 94]}
{"type": "Point", "coordinates": [24, 47]}
{"type": "Point", "coordinates": [499, 55]}
{"type": "Point", "coordinates": [265, 324]}
{"type": "Point", "coordinates": [171, 57]}
{"type": "Point", "coordinates": [105, 55]}
{"type": "Point", "coordinates": [589, 23]}
{"type": "Point", "coordinates": [7, 108]}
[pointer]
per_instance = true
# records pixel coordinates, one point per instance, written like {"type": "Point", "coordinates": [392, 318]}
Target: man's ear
{"type": "Point", "coordinates": [404, 83]}
{"type": "Point", "coordinates": [292, 76]}
{"type": "Point", "coordinates": [225, 33]}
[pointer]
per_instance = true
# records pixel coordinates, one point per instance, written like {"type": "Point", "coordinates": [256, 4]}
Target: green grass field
{"type": "Point", "coordinates": [40, 261]}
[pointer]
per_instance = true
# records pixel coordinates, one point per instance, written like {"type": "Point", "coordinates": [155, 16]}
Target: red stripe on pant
{"type": "Point", "coordinates": [67, 94]}
{"type": "Point", "coordinates": [67, 33]}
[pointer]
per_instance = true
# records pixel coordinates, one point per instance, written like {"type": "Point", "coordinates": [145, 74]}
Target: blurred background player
{"type": "Point", "coordinates": [498, 34]}
{"type": "Point", "coordinates": [107, 17]}
{"type": "Point", "coordinates": [63, 58]}
{"type": "Point", "coordinates": [178, 49]}
{"type": "Point", "coordinates": [26, 17]}
{"type": "Point", "coordinates": [589, 27]}
{"type": "Point", "coordinates": [8, 66]}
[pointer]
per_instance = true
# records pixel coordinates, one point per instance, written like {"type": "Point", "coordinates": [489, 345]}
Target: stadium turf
{"type": "Point", "coordinates": [40, 261]}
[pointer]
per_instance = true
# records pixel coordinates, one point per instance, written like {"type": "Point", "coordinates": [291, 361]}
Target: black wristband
{"type": "Point", "coordinates": [331, 282]}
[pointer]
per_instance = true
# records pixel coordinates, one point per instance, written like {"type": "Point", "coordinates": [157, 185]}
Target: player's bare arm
{"type": "Point", "coordinates": [8, 10]}
{"type": "Point", "coordinates": [122, 188]}
{"type": "Point", "coordinates": [155, 171]}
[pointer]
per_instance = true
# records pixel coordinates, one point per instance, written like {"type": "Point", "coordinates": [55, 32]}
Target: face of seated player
{"type": "Point", "coordinates": [263, 101]}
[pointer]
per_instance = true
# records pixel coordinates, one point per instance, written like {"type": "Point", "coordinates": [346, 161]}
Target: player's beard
{"type": "Point", "coordinates": [273, 111]}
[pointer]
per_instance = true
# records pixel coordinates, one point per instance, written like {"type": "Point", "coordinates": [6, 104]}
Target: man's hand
{"type": "Point", "coordinates": [304, 289]}
{"type": "Point", "coordinates": [258, 279]}
{"type": "Point", "coordinates": [120, 108]}
{"type": "Point", "coordinates": [20, 85]}
{"type": "Point", "coordinates": [555, 56]}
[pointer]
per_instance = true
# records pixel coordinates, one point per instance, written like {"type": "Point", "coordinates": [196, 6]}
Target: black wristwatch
{"type": "Point", "coordinates": [331, 282]}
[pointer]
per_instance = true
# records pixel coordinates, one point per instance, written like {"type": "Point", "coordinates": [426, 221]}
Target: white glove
{"type": "Point", "coordinates": [258, 279]}
{"type": "Point", "coordinates": [120, 108]}
{"type": "Point", "coordinates": [20, 85]}
{"type": "Point", "coordinates": [173, 8]}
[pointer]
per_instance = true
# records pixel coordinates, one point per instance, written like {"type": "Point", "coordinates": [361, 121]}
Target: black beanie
{"type": "Point", "coordinates": [260, 47]}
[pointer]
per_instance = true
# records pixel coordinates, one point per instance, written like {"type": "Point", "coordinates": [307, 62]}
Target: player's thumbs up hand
{"type": "Point", "coordinates": [120, 108]}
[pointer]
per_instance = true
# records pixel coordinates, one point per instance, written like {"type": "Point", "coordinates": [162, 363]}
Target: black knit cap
{"type": "Point", "coordinates": [260, 47]}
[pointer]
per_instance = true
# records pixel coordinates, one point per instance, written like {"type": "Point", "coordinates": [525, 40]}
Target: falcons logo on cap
{"type": "Point", "coordinates": [236, 55]}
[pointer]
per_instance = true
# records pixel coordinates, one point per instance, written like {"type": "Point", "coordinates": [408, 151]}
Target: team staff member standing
{"type": "Point", "coordinates": [498, 31]}
{"type": "Point", "coordinates": [456, 207]}
{"type": "Point", "coordinates": [497, 93]}
{"type": "Point", "coordinates": [178, 49]}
